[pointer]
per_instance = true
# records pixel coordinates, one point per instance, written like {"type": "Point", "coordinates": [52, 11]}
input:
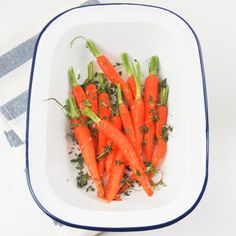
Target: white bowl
{"type": "Point", "coordinates": [142, 31]}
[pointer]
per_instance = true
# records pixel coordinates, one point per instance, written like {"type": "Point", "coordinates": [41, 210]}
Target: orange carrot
{"type": "Point", "coordinates": [91, 90]}
{"type": "Point", "coordinates": [126, 118]}
{"type": "Point", "coordinates": [117, 173]}
{"type": "Point", "coordinates": [150, 99]}
{"type": "Point", "coordinates": [84, 140]}
{"type": "Point", "coordinates": [117, 122]}
{"type": "Point", "coordinates": [128, 183]}
{"type": "Point", "coordinates": [127, 123]}
{"type": "Point", "coordinates": [108, 69]}
{"type": "Point", "coordinates": [104, 113]}
{"type": "Point", "coordinates": [127, 149]}
{"type": "Point", "coordinates": [130, 80]}
{"type": "Point", "coordinates": [137, 109]}
{"type": "Point", "coordinates": [92, 97]}
{"type": "Point", "coordinates": [160, 128]}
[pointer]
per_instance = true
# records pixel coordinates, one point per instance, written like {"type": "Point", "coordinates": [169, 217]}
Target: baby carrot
{"type": "Point", "coordinates": [77, 90]}
{"type": "Point", "coordinates": [92, 97]}
{"type": "Point", "coordinates": [117, 173]}
{"type": "Point", "coordinates": [126, 118]}
{"type": "Point", "coordinates": [91, 90]}
{"type": "Point", "coordinates": [117, 122]}
{"type": "Point", "coordinates": [108, 69]}
{"type": "Point", "coordinates": [150, 99]}
{"type": "Point", "coordinates": [104, 113]}
{"type": "Point", "coordinates": [127, 123]}
{"type": "Point", "coordinates": [160, 128]}
{"type": "Point", "coordinates": [84, 140]}
{"type": "Point", "coordinates": [127, 149]}
{"type": "Point", "coordinates": [130, 80]}
{"type": "Point", "coordinates": [137, 109]}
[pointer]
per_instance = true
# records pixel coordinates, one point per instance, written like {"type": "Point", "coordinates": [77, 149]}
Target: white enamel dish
{"type": "Point", "coordinates": [142, 31]}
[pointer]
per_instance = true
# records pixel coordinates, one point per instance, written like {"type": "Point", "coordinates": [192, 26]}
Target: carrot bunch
{"type": "Point", "coordinates": [131, 135]}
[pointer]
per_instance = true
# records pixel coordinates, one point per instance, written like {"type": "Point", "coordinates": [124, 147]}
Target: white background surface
{"type": "Point", "coordinates": [214, 22]}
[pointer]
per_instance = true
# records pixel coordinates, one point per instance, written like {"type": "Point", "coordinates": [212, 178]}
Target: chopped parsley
{"type": "Point", "coordinates": [165, 132]}
{"type": "Point", "coordinates": [143, 129]}
{"type": "Point", "coordinates": [82, 179]}
{"type": "Point", "coordinates": [87, 103]}
{"type": "Point", "coordinates": [90, 188]}
{"type": "Point", "coordinates": [155, 138]}
{"type": "Point", "coordinates": [163, 83]}
{"type": "Point", "coordinates": [79, 161]}
{"type": "Point", "coordinates": [144, 142]}
{"type": "Point", "coordinates": [149, 168]}
{"type": "Point", "coordinates": [136, 172]}
{"type": "Point", "coordinates": [88, 122]}
{"type": "Point", "coordinates": [127, 130]}
{"type": "Point", "coordinates": [118, 162]}
{"type": "Point", "coordinates": [106, 151]}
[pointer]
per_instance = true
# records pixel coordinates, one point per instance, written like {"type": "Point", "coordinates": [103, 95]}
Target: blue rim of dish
{"type": "Point", "coordinates": [120, 229]}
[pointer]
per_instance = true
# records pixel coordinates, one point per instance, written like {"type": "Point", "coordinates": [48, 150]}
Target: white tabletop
{"type": "Point", "coordinates": [214, 23]}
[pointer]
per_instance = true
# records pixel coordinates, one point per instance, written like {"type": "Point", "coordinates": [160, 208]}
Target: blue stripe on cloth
{"type": "Point", "coordinates": [23, 52]}
{"type": "Point", "coordinates": [17, 56]}
{"type": "Point", "coordinates": [15, 107]}
{"type": "Point", "coordinates": [13, 138]}
{"type": "Point", "coordinates": [9, 62]}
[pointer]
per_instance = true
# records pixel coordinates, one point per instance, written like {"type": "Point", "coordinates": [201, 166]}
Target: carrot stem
{"type": "Point", "coordinates": [164, 95]}
{"type": "Point", "coordinates": [72, 77]}
{"type": "Point", "coordinates": [88, 112]}
{"type": "Point", "coordinates": [126, 62]}
{"type": "Point", "coordinates": [90, 71]}
{"type": "Point", "coordinates": [137, 76]}
{"type": "Point", "coordinates": [154, 65]}
{"type": "Point", "coordinates": [89, 44]}
{"type": "Point", "coordinates": [119, 95]}
{"type": "Point", "coordinates": [74, 112]}
{"type": "Point", "coordinates": [102, 83]}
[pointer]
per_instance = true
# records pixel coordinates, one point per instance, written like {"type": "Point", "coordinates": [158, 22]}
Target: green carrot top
{"type": "Point", "coordinates": [73, 111]}
{"type": "Point", "coordinates": [90, 71]}
{"type": "Point", "coordinates": [89, 113]}
{"type": "Point", "coordinates": [119, 95]}
{"type": "Point", "coordinates": [102, 83]}
{"type": "Point", "coordinates": [126, 61]}
{"type": "Point", "coordinates": [164, 95]}
{"type": "Point", "coordinates": [136, 70]}
{"type": "Point", "coordinates": [72, 77]}
{"type": "Point", "coordinates": [154, 65]}
{"type": "Point", "coordinates": [89, 44]}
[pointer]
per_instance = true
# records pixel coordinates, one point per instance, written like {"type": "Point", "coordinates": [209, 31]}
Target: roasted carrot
{"type": "Point", "coordinates": [91, 90]}
{"type": "Point", "coordinates": [126, 118]}
{"type": "Point", "coordinates": [92, 97]}
{"type": "Point", "coordinates": [108, 69]}
{"type": "Point", "coordinates": [127, 123]}
{"type": "Point", "coordinates": [160, 128]}
{"type": "Point", "coordinates": [84, 140]}
{"type": "Point", "coordinates": [77, 90]}
{"type": "Point", "coordinates": [117, 122]}
{"type": "Point", "coordinates": [150, 100]}
{"type": "Point", "coordinates": [117, 173]}
{"type": "Point", "coordinates": [128, 184]}
{"type": "Point", "coordinates": [104, 113]}
{"type": "Point", "coordinates": [130, 80]}
{"type": "Point", "coordinates": [122, 142]}
{"type": "Point", "coordinates": [137, 109]}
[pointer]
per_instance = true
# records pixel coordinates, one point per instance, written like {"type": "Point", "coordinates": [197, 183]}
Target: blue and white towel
{"type": "Point", "coordinates": [15, 68]}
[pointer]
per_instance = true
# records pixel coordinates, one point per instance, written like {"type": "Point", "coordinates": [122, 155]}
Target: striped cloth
{"type": "Point", "coordinates": [15, 68]}
{"type": "Point", "coordinates": [14, 78]}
